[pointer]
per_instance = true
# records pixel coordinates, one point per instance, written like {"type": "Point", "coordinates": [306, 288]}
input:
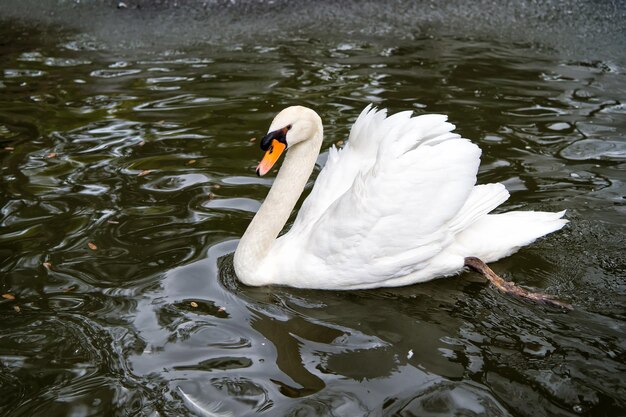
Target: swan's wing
{"type": "Point", "coordinates": [397, 215]}
{"type": "Point", "coordinates": [343, 165]}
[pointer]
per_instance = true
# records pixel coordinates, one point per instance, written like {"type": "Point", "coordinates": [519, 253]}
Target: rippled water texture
{"type": "Point", "coordinates": [128, 177]}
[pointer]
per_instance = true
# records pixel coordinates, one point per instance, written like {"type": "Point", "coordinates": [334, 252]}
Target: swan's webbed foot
{"type": "Point", "coordinates": [479, 266]}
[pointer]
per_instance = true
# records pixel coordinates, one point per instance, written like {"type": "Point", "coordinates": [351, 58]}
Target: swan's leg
{"type": "Point", "coordinates": [510, 288]}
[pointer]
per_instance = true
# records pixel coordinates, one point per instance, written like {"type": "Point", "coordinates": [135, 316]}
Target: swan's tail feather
{"type": "Point", "coordinates": [482, 200]}
{"type": "Point", "coordinates": [496, 236]}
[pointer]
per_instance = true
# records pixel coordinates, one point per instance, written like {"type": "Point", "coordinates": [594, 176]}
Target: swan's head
{"type": "Point", "coordinates": [291, 126]}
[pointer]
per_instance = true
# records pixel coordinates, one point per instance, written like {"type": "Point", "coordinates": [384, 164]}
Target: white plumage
{"type": "Point", "coordinates": [396, 206]}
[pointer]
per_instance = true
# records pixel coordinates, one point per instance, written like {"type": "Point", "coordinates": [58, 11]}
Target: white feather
{"type": "Point", "coordinates": [397, 205]}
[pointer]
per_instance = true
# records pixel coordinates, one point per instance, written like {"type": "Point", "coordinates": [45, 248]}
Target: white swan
{"type": "Point", "coordinates": [396, 206]}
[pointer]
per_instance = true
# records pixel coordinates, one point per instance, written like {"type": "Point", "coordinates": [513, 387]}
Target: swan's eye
{"type": "Point", "coordinates": [288, 127]}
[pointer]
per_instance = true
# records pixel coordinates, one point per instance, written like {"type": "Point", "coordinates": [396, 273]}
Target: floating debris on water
{"type": "Point", "coordinates": [71, 288]}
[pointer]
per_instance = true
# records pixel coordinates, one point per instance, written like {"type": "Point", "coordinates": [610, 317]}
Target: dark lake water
{"type": "Point", "coordinates": [128, 177]}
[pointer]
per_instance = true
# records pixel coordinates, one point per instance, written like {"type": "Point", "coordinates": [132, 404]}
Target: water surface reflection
{"type": "Point", "coordinates": [126, 182]}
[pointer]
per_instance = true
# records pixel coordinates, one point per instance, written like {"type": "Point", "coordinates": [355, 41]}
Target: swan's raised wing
{"type": "Point", "coordinates": [396, 215]}
{"type": "Point", "coordinates": [343, 165]}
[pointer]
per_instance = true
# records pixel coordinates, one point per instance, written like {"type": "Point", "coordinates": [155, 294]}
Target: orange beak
{"type": "Point", "coordinates": [271, 156]}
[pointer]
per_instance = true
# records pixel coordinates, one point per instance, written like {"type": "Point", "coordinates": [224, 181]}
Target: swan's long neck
{"type": "Point", "coordinates": [260, 235]}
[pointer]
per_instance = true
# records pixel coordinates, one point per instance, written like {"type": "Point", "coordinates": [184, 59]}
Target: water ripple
{"type": "Point", "coordinates": [122, 202]}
